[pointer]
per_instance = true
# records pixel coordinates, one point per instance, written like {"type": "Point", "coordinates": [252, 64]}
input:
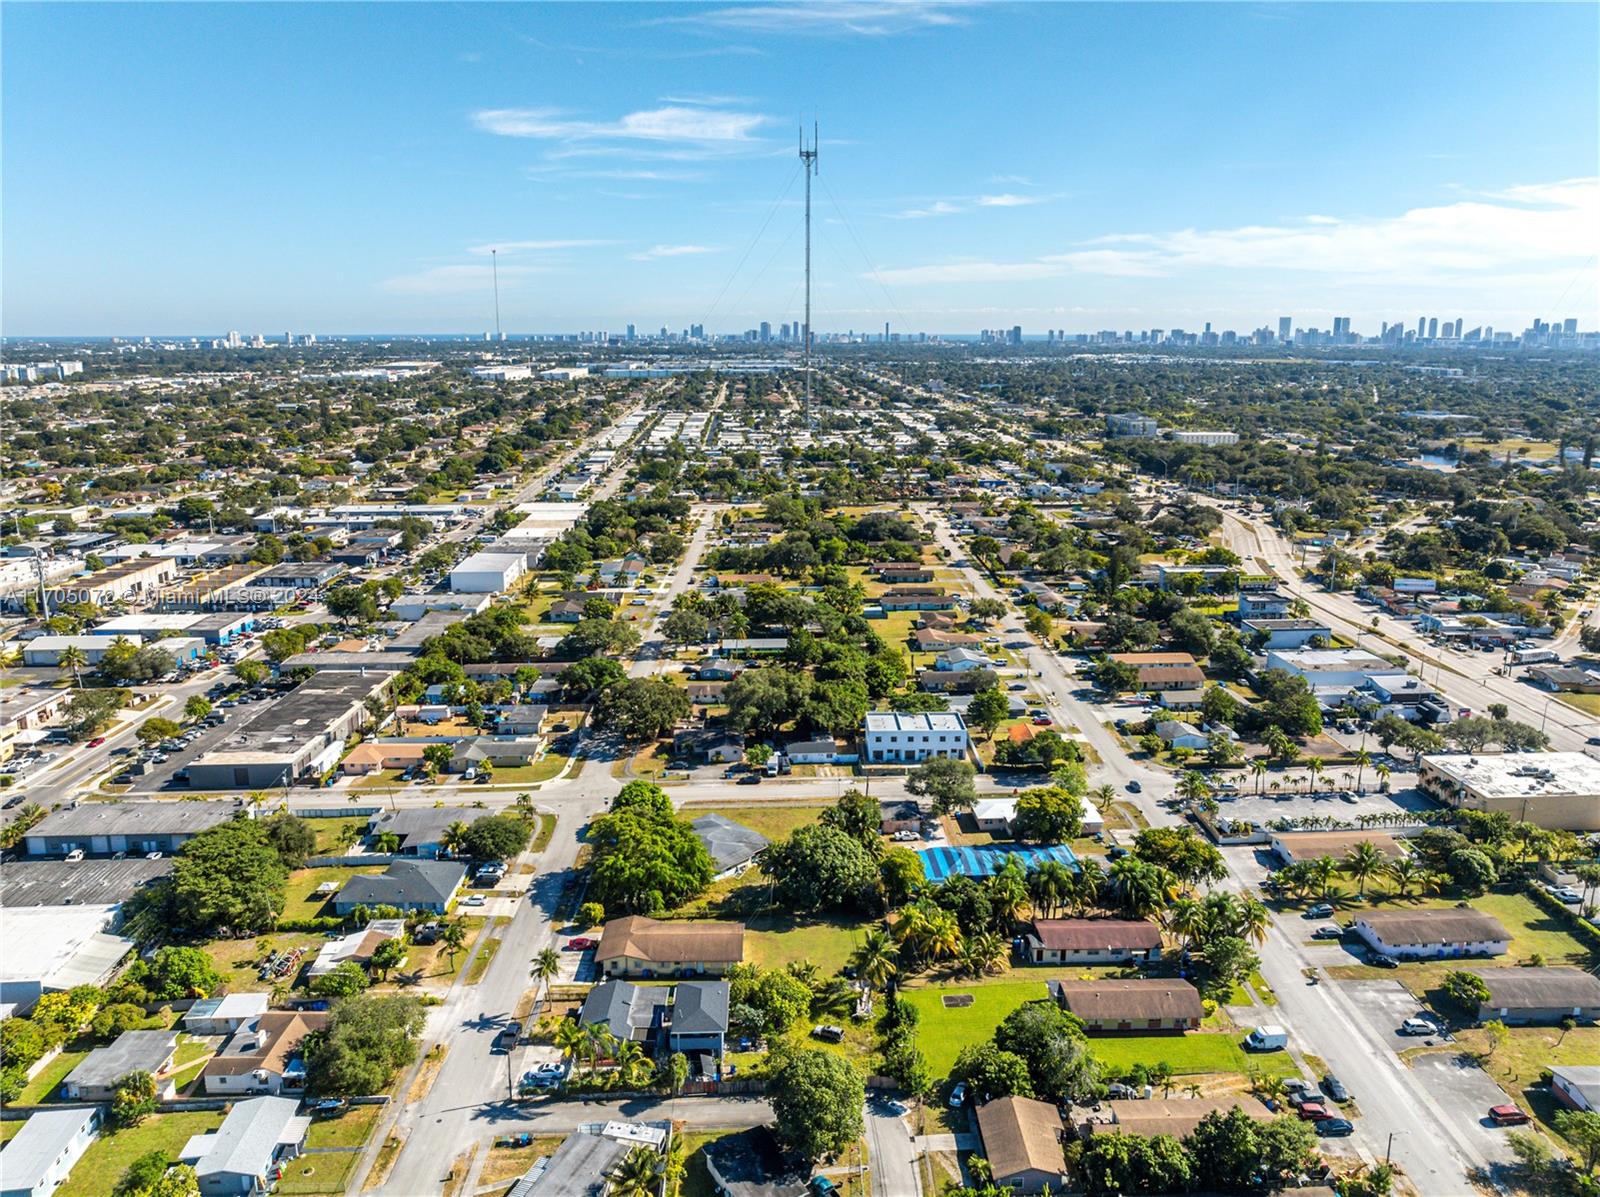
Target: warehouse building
{"type": "Point", "coordinates": [301, 734]}
{"type": "Point", "coordinates": [488, 573]}
{"type": "Point", "coordinates": [136, 828]}
{"type": "Point", "coordinates": [1558, 790]}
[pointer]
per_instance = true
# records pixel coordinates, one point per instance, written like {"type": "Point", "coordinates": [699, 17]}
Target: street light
{"type": "Point", "coordinates": [1387, 1151]}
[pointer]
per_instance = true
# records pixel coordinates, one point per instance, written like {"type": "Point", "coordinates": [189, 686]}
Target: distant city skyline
{"type": "Point", "coordinates": [1078, 167]}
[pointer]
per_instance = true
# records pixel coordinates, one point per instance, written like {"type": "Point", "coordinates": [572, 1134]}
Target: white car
{"type": "Point", "coordinates": [1418, 1026]}
{"type": "Point", "coordinates": [75, 856]}
{"type": "Point", "coordinates": [473, 900]}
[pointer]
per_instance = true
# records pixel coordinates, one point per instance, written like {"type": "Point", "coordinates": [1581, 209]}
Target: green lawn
{"type": "Point", "coordinates": [771, 820]}
{"type": "Point", "coordinates": [1589, 704]}
{"type": "Point", "coordinates": [541, 836]}
{"type": "Point", "coordinates": [773, 940]}
{"type": "Point", "coordinates": [8, 1130]}
{"type": "Point", "coordinates": [334, 834]}
{"type": "Point", "coordinates": [53, 1073]}
{"type": "Point", "coordinates": [943, 1032]}
{"type": "Point", "coordinates": [238, 959]}
{"type": "Point", "coordinates": [109, 1156]}
{"type": "Point", "coordinates": [325, 1172]}
{"type": "Point", "coordinates": [349, 1129]}
{"type": "Point", "coordinates": [189, 1061]}
{"type": "Point", "coordinates": [299, 900]}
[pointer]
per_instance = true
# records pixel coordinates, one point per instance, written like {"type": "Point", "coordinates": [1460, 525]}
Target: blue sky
{"type": "Point", "coordinates": [345, 168]}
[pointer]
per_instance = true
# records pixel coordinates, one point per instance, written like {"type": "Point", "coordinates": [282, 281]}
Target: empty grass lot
{"type": "Point", "coordinates": [349, 1129]}
{"type": "Point", "coordinates": [53, 1073]}
{"type": "Point", "coordinates": [109, 1156]}
{"type": "Point", "coordinates": [942, 1032]}
{"type": "Point", "coordinates": [299, 900]}
{"type": "Point", "coordinates": [325, 1172]}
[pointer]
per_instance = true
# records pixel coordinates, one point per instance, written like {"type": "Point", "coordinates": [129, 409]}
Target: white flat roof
{"type": "Point", "coordinates": [900, 721]}
{"type": "Point", "coordinates": [56, 944]}
{"type": "Point", "coordinates": [1521, 774]}
{"type": "Point", "coordinates": [1334, 658]}
{"type": "Point", "coordinates": [491, 562]}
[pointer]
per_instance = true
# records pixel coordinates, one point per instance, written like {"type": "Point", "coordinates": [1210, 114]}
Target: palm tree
{"type": "Point", "coordinates": [1382, 772]}
{"type": "Point", "coordinates": [1186, 919]}
{"type": "Point", "coordinates": [545, 967]}
{"type": "Point", "coordinates": [1589, 874]}
{"type": "Point", "coordinates": [1322, 872]}
{"type": "Point", "coordinates": [1192, 1090]}
{"type": "Point", "coordinates": [599, 1043]}
{"type": "Point", "coordinates": [1008, 896]}
{"type": "Point", "coordinates": [1258, 770]}
{"type": "Point", "coordinates": [630, 1059]}
{"type": "Point", "coordinates": [1360, 863]}
{"type": "Point", "coordinates": [1139, 887]}
{"type": "Point", "coordinates": [1161, 1077]}
{"type": "Point", "coordinates": [454, 938]}
{"type": "Point", "coordinates": [639, 1175]}
{"type": "Point", "coordinates": [1362, 758]}
{"type": "Point", "coordinates": [874, 960]}
{"type": "Point", "coordinates": [387, 843]}
{"type": "Point", "coordinates": [1253, 921]}
{"type": "Point", "coordinates": [1314, 767]}
{"type": "Point", "coordinates": [570, 1038]}
{"type": "Point", "coordinates": [982, 953]}
{"type": "Point", "coordinates": [981, 1171]}
{"type": "Point", "coordinates": [1405, 873]}
{"type": "Point", "coordinates": [72, 657]}
{"type": "Point", "coordinates": [1104, 796]}
{"type": "Point", "coordinates": [454, 838]}
{"type": "Point", "coordinates": [1087, 886]}
{"type": "Point", "coordinates": [1049, 885]}
{"type": "Point", "coordinates": [1192, 787]}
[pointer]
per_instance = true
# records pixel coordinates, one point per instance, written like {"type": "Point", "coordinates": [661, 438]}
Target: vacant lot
{"type": "Point", "coordinates": [943, 1031]}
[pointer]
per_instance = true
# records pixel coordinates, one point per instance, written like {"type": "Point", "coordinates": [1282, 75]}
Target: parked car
{"type": "Point", "coordinates": [1331, 1128]}
{"type": "Point", "coordinates": [1508, 1115]}
{"type": "Point", "coordinates": [473, 900]}
{"type": "Point", "coordinates": [1322, 910]}
{"type": "Point", "coordinates": [97, 741]}
{"type": "Point", "coordinates": [1418, 1026]}
{"type": "Point", "coordinates": [1313, 1111]}
{"type": "Point", "coordinates": [828, 1033]}
{"type": "Point", "coordinates": [1134, 787]}
{"type": "Point", "coordinates": [1329, 931]}
{"type": "Point", "coordinates": [749, 779]}
{"type": "Point", "coordinates": [1378, 960]}
{"type": "Point", "coordinates": [75, 856]}
{"type": "Point", "coordinates": [1334, 1088]}
{"type": "Point", "coordinates": [958, 1095]}
{"type": "Point", "coordinates": [1296, 1087]}
{"type": "Point", "coordinates": [581, 943]}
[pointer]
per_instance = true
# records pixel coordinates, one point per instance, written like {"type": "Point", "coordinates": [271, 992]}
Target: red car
{"type": "Point", "coordinates": [97, 741]}
{"type": "Point", "coordinates": [1041, 720]}
{"type": "Point", "coordinates": [1508, 1116]}
{"type": "Point", "coordinates": [1313, 1111]}
{"type": "Point", "coordinates": [581, 944]}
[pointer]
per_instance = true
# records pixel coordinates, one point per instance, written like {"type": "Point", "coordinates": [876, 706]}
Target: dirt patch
{"type": "Point", "coordinates": [957, 1001]}
{"type": "Point", "coordinates": [384, 1164]}
{"type": "Point", "coordinates": [430, 1073]}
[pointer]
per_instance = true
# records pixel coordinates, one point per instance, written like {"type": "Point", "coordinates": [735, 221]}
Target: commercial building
{"type": "Point", "coordinates": [94, 881]}
{"type": "Point", "coordinates": [1433, 934]}
{"type": "Point", "coordinates": [45, 652]}
{"type": "Point", "coordinates": [1294, 846]}
{"type": "Point", "coordinates": [244, 1157]}
{"type": "Point", "coordinates": [1132, 425]}
{"type": "Point", "coordinates": [1526, 996]}
{"type": "Point", "coordinates": [38, 1159]}
{"type": "Point", "coordinates": [1175, 1116]}
{"type": "Point", "coordinates": [25, 711]}
{"type": "Point", "coordinates": [1091, 941]}
{"type": "Point", "coordinates": [106, 828]}
{"type": "Point", "coordinates": [1559, 790]}
{"type": "Point", "coordinates": [302, 733]}
{"type": "Point", "coordinates": [1141, 1005]}
{"type": "Point", "coordinates": [1195, 436]}
{"type": "Point", "coordinates": [49, 949]}
{"type": "Point", "coordinates": [645, 947]}
{"type": "Point", "coordinates": [488, 573]}
{"type": "Point", "coordinates": [216, 627]}
{"type": "Point", "coordinates": [126, 582]}
{"type": "Point", "coordinates": [895, 736]}
{"type": "Point", "coordinates": [1346, 668]}
{"type": "Point", "coordinates": [415, 606]}
{"type": "Point", "coordinates": [1022, 1142]}
{"type": "Point", "coordinates": [1285, 633]}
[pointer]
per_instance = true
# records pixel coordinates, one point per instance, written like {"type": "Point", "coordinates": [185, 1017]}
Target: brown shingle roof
{"type": "Point", "coordinates": [1157, 660]}
{"type": "Point", "coordinates": [1076, 935]}
{"type": "Point", "coordinates": [1308, 845]}
{"type": "Point", "coordinates": [1560, 988]}
{"type": "Point", "coordinates": [1133, 1001]}
{"type": "Point", "coordinates": [278, 1034]}
{"type": "Point", "coordinates": [1168, 676]}
{"type": "Point", "coordinates": [1456, 925]}
{"type": "Point", "coordinates": [639, 938]}
{"type": "Point", "coordinates": [1175, 1116]}
{"type": "Point", "coordinates": [1021, 1135]}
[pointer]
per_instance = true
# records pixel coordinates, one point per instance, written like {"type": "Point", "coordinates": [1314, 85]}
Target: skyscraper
{"type": "Point", "coordinates": [766, 331]}
{"type": "Point", "coordinates": [631, 333]}
{"type": "Point", "coordinates": [1285, 328]}
{"type": "Point", "coordinates": [1433, 328]}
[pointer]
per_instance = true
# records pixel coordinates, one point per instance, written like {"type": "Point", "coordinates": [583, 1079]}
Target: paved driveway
{"type": "Point", "coordinates": [1385, 1005]}
{"type": "Point", "coordinates": [894, 1171]}
{"type": "Point", "coordinates": [1465, 1092]}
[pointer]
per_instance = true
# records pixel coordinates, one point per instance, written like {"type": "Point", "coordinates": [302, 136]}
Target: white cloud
{"type": "Point", "coordinates": [452, 280]}
{"type": "Point", "coordinates": [673, 123]}
{"type": "Point", "coordinates": [1500, 237]}
{"type": "Point", "coordinates": [863, 18]}
{"type": "Point", "coordinates": [938, 208]}
{"type": "Point", "coordinates": [671, 251]}
{"type": "Point", "coordinates": [516, 247]}
{"type": "Point", "coordinates": [1008, 200]}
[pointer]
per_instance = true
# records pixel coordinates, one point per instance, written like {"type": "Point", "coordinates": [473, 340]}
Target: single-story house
{"type": "Point", "coordinates": [589, 1158]}
{"type": "Point", "coordinates": [524, 719]}
{"type": "Point", "coordinates": [421, 829]}
{"type": "Point", "coordinates": [916, 598]}
{"type": "Point", "coordinates": [1577, 1086]}
{"type": "Point", "coordinates": [698, 1020]}
{"type": "Point", "coordinates": [357, 947]}
{"type": "Point", "coordinates": [632, 1013]}
{"type": "Point", "coordinates": [995, 815]}
{"type": "Point", "coordinates": [1292, 846]}
{"type": "Point", "coordinates": [406, 884]}
{"type": "Point", "coordinates": [370, 756]}
{"type": "Point", "coordinates": [937, 640]}
{"type": "Point", "coordinates": [246, 1154]}
{"type": "Point", "coordinates": [1022, 1142]}
{"type": "Point", "coordinates": [1176, 734]}
{"type": "Point", "coordinates": [224, 1015]}
{"type": "Point", "coordinates": [646, 947]}
{"type": "Point", "coordinates": [1524, 996]}
{"type": "Point", "coordinates": [1092, 941]}
{"type": "Point", "coordinates": [264, 1055]}
{"type": "Point", "coordinates": [821, 752]}
{"type": "Point", "coordinates": [965, 681]}
{"type": "Point", "coordinates": [900, 814]}
{"type": "Point", "coordinates": [1175, 1116]}
{"type": "Point", "coordinates": [731, 846]}
{"type": "Point", "coordinates": [961, 660]}
{"type": "Point", "coordinates": [477, 751]}
{"type": "Point", "coordinates": [716, 745]}
{"type": "Point", "coordinates": [40, 1156]}
{"type": "Point", "coordinates": [1144, 1004]}
{"type": "Point", "coordinates": [1181, 700]}
{"type": "Point", "coordinates": [1434, 934]}
{"type": "Point", "coordinates": [706, 694]}
{"type": "Point", "coordinates": [96, 1075]}
{"type": "Point", "coordinates": [718, 670]}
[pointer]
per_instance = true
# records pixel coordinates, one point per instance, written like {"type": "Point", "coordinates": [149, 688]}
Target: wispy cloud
{"type": "Point", "coordinates": [830, 18]}
{"type": "Point", "coordinates": [1008, 200]}
{"type": "Point", "coordinates": [518, 247]}
{"type": "Point", "coordinates": [672, 251]}
{"type": "Point", "coordinates": [1500, 235]}
{"type": "Point", "coordinates": [938, 208]}
{"type": "Point", "coordinates": [674, 123]}
{"type": "Point", "coordinates": [556, 170]}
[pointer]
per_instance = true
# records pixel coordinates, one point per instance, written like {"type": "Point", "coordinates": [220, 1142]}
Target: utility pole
{"type": "Point", "coordinates": [494, 265]}
{"type": "Point", "coordinates": [808, 159]}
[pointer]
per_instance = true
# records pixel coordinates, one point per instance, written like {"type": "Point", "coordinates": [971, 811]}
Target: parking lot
{"type": "Point", "coordinates": [202, 740]}
{"type": "Point", "coordinates": [1261, 808]}
{"type": "Point", "coordinates": [1465, 1092]}
{"type": "Point", "coordinates": [1385, 1005]}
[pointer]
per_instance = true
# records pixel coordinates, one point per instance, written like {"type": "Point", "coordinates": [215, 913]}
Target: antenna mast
{"type": "Point", "coordinates": [808, 159]}
{"type": "Point", "coordinates": [494, 263]}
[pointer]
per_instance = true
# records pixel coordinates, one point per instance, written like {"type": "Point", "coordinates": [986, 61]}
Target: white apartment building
{"type": "Point", "coordinates": [893, 736]}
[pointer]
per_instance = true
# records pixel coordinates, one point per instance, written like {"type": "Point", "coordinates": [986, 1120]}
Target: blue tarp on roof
{"type": "Point", "coordinates": [939, 863]}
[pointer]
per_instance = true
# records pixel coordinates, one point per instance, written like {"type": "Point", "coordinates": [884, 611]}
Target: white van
{"type": "Point", "coordinates": [1267, 1039]}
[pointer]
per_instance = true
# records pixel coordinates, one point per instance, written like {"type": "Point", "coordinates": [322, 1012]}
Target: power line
{"type": "Point", "coordinates": [771, 212]}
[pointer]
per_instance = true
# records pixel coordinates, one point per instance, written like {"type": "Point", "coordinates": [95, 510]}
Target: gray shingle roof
{"type": "Point", "coordinates": [405, 883]}
{"type": "Point", "coordinates": [700, 1008]}
{"type": "Point", "coordinates": [245, 1142]}
{"type": "Point", "coordinates": [626, 1009]}
{"type": "Point", "coordinates": [729, 844]}
{"type": "Point", "coordinates": [132, 1051]}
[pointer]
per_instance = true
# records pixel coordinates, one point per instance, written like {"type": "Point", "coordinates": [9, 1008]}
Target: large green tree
{"type": "Point", "coordinates": [817, 1099]}
{"type": "Point", "coordinates": [228, 878]}
{"type": "Point", "coordinates": [368, 1040]}
{"type": "Point", "coordinates": [820, 867]}
{"type": "Point", "coordinates": [645, 862]}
